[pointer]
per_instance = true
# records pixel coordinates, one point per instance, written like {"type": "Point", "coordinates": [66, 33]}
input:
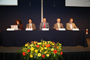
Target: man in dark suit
{"type": "Point", "coordinates": [44, 24]}
{"type": "Point", "coordinates": [58, 24]}
{"type": "Point", "coordinates": [31, 25]}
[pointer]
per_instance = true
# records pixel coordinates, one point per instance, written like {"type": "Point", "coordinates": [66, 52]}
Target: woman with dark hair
{"type": "Point", "coordinates": [19, 23]}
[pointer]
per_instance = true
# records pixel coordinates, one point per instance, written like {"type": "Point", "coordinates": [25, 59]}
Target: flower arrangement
{"type": "Point", "coordinates": [42, 50]}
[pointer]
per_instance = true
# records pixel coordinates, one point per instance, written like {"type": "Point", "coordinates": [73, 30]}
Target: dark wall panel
{"type": "Point", "coordinates": [79, 14]}
{"type": "Point", "coordinates": [8, 14]}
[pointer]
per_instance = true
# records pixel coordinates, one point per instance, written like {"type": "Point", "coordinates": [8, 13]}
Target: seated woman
{"type": "Point", "coordinates": [19, 23]}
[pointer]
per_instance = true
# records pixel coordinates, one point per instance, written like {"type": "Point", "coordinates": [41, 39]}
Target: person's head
{"type": "Point", "coordinates": [71, 20]}
{"type": "Point", "coordinates": [58, 20]}
{"type": "Point", "coordinates": [18, 22]}
{"type": "Point", "coordinates": [30, 20]}
{"type": "Point", "coordinates": [44, 20]}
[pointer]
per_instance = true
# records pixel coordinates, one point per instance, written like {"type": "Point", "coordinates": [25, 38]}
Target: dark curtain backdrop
{"type": "Point", "coordinates": [8, 14]}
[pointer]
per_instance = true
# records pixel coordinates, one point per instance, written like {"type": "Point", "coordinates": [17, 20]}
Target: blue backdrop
{"type": "Point", "coordinates": [8, 14]}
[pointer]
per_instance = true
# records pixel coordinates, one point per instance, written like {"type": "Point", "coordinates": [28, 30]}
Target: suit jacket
{"type": "Point", "coordinates": [33, 26]}
{"type": "Point", "coordinates": [68, 26]}
{"type": "Point", "coordinates": [56, 26]}
{"type": "Point", "coordinates": [42, 25]}
{"type": "Point", "coordinates": [21, 26]}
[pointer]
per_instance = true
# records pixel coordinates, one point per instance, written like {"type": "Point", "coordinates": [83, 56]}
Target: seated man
{"type": "Point", "coordinates": [70, 25]}
{"type": "Point", "coordinates": [58, 24]}
{"type": "Point", "coordinates": [31, 25]}
{"type": "Point", "coordinates": [44, 24]}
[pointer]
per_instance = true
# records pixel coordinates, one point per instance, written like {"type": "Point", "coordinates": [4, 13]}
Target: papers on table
{"type": "Point", "coordinates": [45, 29]}
{"type": "Point", "coordinates": [28, 29]}
{"type": "Point", "coordinates": [62, 29]}
{"type": "Point", "coordinates": [10, 29]}
{"type": "Point", "coordinates": [75, 29]}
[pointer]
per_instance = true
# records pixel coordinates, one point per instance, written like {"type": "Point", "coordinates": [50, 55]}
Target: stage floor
{"type": "Point", "coordinates": [65, 48]}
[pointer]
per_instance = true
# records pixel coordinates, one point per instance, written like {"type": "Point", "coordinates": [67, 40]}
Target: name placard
{"type": "Point", "coordinates": [28, 29]}
{"type": "Point", "coordinates": [75, 29]}
{"type": "Point", "coordinates": [62, 29]}
{"type": "Point", "coordinates": [45, 29]}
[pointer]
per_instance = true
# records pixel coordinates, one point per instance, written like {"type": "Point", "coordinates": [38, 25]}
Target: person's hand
{"type": "Point", "coordinates": [57, 29]}
{"type": "Point", "coordinates": [19, 29]}
{"type": "Point", "coordinates": [27, 27]}
{"type": "Point", "coordinates": [71, 29]}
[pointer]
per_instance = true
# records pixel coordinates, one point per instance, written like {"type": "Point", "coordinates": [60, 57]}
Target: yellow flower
{"type": "Point", "coordinates": [47, 55]}
{"type": "Point", "coordinates": [45, 52]}
{"type": "Point", "coordinates": [60, 44]}
{"type": "Point", "coordinates": [41, 48]}
{"type": "Point", "coordinates": [31, 45]}
{"type": "Point", "coordinates": [39, 43]}
{"type": "Point", "coordinates": [39, 54]}
{"type": "Point", "coordinates": [52, 49]}
{"type": "Point", "coordinates": [36, 51]}
{"type": "Point", "coordinates": [45, 42]}
{"type": "Point", "coordinates": [45, 47]}
{"type": "Point", "coordinates": [60, 48]}
{"type": "Point", "coordinates": [50, 42]}
{"type": "Point", "coordinates": [26, 44]}
{"type": "Point", "coordinates": [32, 49]}
{"type": "Point", "coordinates": [53, 44]}
{"type": "Point", "coordinates": [31, 56]}
{"type": "Point", "coordinates": [24, 49]}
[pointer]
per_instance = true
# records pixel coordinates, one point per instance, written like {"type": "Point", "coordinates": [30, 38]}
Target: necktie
{"type": "Point", "coordinates": [44, 25]}
{"type": "Point", "coordinates": [58, 26]}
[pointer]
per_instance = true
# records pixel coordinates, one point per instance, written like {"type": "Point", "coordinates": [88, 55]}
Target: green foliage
{"type": "Point", "coordinates": [42, 50]}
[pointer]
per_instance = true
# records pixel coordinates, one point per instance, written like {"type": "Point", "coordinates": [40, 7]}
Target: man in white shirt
{"type": "Point", "coordinates": [58, 24]}
{"type": "Point", "coordinates": [31, 25]}
{"type": "Point", "coordinates": [70, 25]}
